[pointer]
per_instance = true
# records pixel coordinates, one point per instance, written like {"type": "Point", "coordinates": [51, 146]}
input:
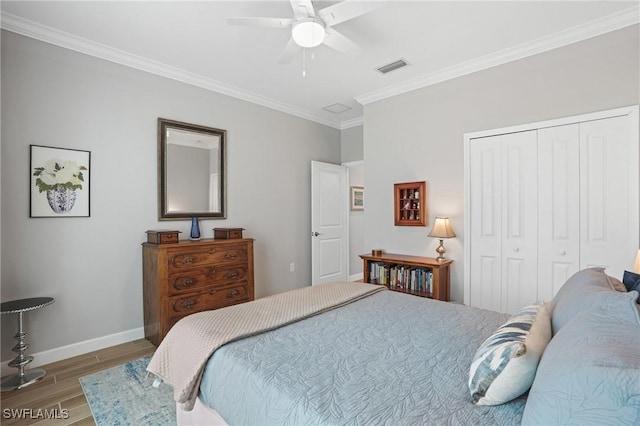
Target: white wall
{"type": "Point", "coordinates": [419, 135]}
{"type": "Point", "coordinates": [92, 266]}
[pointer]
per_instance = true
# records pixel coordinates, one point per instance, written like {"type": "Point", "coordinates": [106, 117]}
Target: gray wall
{"type": "Point", "coordinates": [352, 152]}
{"type": "Point", "coordinates": [356, 222]}
{"type": "Point", "coordinates": [92, 266]}
{"type": "Point", "coordinates": [351, 144]}
{"type": "Point", "coordinates": [419, 135]}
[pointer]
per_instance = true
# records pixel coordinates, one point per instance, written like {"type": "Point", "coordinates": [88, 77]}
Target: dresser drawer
{"type": "Point", "coordinates": [180, 306]}
{"type": "Point", "coordinates": [190, 280]}
{"type": "Point", "coordinates": [204, 256]}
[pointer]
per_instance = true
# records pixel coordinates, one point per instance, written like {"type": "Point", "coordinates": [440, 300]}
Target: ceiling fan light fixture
{"type": "Point", "coordinates": [308, 32]}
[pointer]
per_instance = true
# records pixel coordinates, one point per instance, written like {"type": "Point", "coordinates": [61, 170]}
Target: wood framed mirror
{"type": "Point", "coordinates": [191, 171]}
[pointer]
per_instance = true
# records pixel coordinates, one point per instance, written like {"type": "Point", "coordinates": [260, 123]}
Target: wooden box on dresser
{"type": "Point", "coordinates": [186, 277]}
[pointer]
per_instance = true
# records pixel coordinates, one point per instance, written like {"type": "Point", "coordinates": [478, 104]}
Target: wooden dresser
{"type": "Point", "coordinates": [182, 278]}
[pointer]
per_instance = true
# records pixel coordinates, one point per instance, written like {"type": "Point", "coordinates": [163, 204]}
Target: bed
{"type": "Point", "coordinates": [390, 358]}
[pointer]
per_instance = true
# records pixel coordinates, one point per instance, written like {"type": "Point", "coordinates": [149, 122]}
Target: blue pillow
{"type": "Point", "coordinates": [582, 291]}
{"type": "Point", "coordinates": [631, 281]}
{"type": "Point", "coordinates": [588, 374]}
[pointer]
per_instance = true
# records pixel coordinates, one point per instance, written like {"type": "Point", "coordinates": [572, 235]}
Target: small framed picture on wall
{"type": "Point", "coordinates": [357, 198]}
{"type": "Point", "coordinates": [59, 182]}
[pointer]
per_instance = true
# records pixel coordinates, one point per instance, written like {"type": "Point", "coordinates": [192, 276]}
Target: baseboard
{"type": "Point", "coordinates": [75, 349]}
{"type": "Point", "coordinates": [355, 277]}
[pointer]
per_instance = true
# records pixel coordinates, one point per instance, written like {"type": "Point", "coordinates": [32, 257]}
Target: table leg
{"type": "Point", "coordinates": [23, 378]}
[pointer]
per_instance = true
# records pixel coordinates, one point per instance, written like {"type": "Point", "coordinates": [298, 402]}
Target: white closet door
{"type": "Point", "coordinates": [519, 220]}
{"type": "Point", "coordinates": [547, 199]}
{"type": "Point", "coordinates": [485, 221]}
{"type": "Point", "coordinates": [558, 207]}
{"type": "Point", "coordinates": [608, 181]}
{"type": "Point", "coordinates": [503, 221]}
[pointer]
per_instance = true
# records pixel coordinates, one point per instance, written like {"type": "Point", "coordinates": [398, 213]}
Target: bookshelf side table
{"type": "Point", "coordinates": [440, 271]}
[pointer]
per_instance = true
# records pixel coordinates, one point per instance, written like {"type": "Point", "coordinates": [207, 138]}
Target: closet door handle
{"type": "Point", "coordinates": [562, 252]}
{"type": "Point", "coordinates": [516, 249]}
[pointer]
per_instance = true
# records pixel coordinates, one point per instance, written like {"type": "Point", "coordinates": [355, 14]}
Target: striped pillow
{"type": "Point", "coordinates": [504, 366]}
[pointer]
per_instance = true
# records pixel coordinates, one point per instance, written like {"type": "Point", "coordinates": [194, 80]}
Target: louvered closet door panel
{"type": "Point", "coordinates": [606, 185]}
{"type": "Point", "coordinates": [519, 220]}
{"type": "Point", "coordinates": [485, 221]}
{"type": "Point", "coordinates": [558, 207]}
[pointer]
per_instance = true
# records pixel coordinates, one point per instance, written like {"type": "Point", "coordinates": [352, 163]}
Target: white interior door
{"type": "Point", "coordinates": [485, 223]}
{"type": "Point", "coordinates": [519, 220]}
{"type": "Point", "coordinates": [503, 223]}
{"type": "Point", "coordinates": [329, 215]}
{"type": "Point", "coordinates": [558, 207]}
{"type": "Point", "coordinates": [608, 194]}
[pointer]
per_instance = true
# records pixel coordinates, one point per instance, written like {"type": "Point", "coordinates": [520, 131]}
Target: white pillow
{"type": "Point", "coordinates": [504, 366]}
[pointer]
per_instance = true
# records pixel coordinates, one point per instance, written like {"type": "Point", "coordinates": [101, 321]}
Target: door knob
{"type": "Point", "coordinates": [562, 252]}
{"type": "Point", "coordinates": [516, 249]}
{"type": "Point", "coordinates": [315, 234]}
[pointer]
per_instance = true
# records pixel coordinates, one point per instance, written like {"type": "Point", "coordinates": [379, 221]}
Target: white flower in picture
{"type": "Point", "coordinates": [58, 174]}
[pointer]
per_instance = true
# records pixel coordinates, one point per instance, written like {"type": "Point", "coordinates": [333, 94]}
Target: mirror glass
{"type": "Point", "coordinates": [191, 171]}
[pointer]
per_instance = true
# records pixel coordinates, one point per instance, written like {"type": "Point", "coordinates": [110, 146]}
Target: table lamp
{"type": "Point", "coordinates": [441, 229]}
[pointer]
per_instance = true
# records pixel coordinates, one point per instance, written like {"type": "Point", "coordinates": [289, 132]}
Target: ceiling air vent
{"type": "Point", "coordinates": [336, 108]}
{"type": "Point", "coordinates": [392, 66]}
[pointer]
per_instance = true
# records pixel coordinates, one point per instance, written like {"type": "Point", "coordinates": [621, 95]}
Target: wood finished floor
{"type": "Point", "coordinates": [61, 390]}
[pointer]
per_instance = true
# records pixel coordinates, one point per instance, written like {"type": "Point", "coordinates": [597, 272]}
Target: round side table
{"type": "Point", "coordinates": [23, 378]}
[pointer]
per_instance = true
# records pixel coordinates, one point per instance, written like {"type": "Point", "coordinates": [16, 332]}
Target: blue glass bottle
{"type": "Point", "coordinates": [195, 229]}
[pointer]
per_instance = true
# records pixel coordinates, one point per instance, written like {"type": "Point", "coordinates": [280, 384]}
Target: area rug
{"type": "Point", "coordinates": [124, 395]}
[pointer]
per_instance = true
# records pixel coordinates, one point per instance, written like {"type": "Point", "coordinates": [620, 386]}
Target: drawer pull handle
{"type": "Point", "coordinates": [210, 271]}
{"type": "Point", "coordinates": [214, 291]}
{"type": "Point", "coordinates": [188, 303]}
{"type": "Point", "coordinates": [188, 282]}
{"type": "Point", "coordinates": [189, 259]}
{"type": "Point", "coordinates": [231, 255]}
{"type": "Point", "coordinates": [233, 293]}
{"type": "Point", "coordinates": [232, 274]}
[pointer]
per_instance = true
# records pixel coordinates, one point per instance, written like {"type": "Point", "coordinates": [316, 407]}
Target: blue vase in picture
{"type": "Point", "coordinates": [195, 229]}
{"type": "Point", "coordinates": [61, 200]}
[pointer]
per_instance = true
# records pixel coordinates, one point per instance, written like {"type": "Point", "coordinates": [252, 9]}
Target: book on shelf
{"type": "Point", "coordinates": [401, 277]}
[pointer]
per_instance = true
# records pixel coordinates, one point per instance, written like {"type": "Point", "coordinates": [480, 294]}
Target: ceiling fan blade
{"type": "Point", "coordinates": [290, 50]}
{"type": "Point", "coordinates": [302, 8]}
{"type": "Point", "coordinates": [337, 41]}
{"type": "Point", "coordinates": [348, 9]}
{"type": "Point", "coordinates": [261, 22]}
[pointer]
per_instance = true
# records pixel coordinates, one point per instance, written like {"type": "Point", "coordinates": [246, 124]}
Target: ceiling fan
{"type": "Point", "coordinates": [310, 28]}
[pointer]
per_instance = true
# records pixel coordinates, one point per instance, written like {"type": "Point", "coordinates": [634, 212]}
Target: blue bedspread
{"type": "Point", "coordinates": [389, 359]}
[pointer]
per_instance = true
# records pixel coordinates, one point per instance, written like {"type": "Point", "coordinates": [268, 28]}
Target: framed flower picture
{"type": "Point", "coordinates": [357, 198]}
{"type": "Point", "coordinates": [60, 184]}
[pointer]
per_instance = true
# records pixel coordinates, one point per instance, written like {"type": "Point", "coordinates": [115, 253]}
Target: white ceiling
{"type": "Point", "coordinates": [192, 42]}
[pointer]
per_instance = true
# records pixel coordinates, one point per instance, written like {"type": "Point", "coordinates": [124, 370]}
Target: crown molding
{"type": "Point", "coordinates": [65, 40]}
{"type": "Point", "coordinates": [50, 35]}
{"type": "Point", "coordinates": [575, 34]}
{"type": "Point", "coordinates": [347, 124]}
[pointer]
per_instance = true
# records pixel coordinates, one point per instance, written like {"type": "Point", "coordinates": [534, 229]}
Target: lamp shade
{"type": "Point", "coordinates": [308, 32]}
{"type": "Point", "coordinates": [442, 228]}
{"type": "Point", "coordinates": [636, 264]}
